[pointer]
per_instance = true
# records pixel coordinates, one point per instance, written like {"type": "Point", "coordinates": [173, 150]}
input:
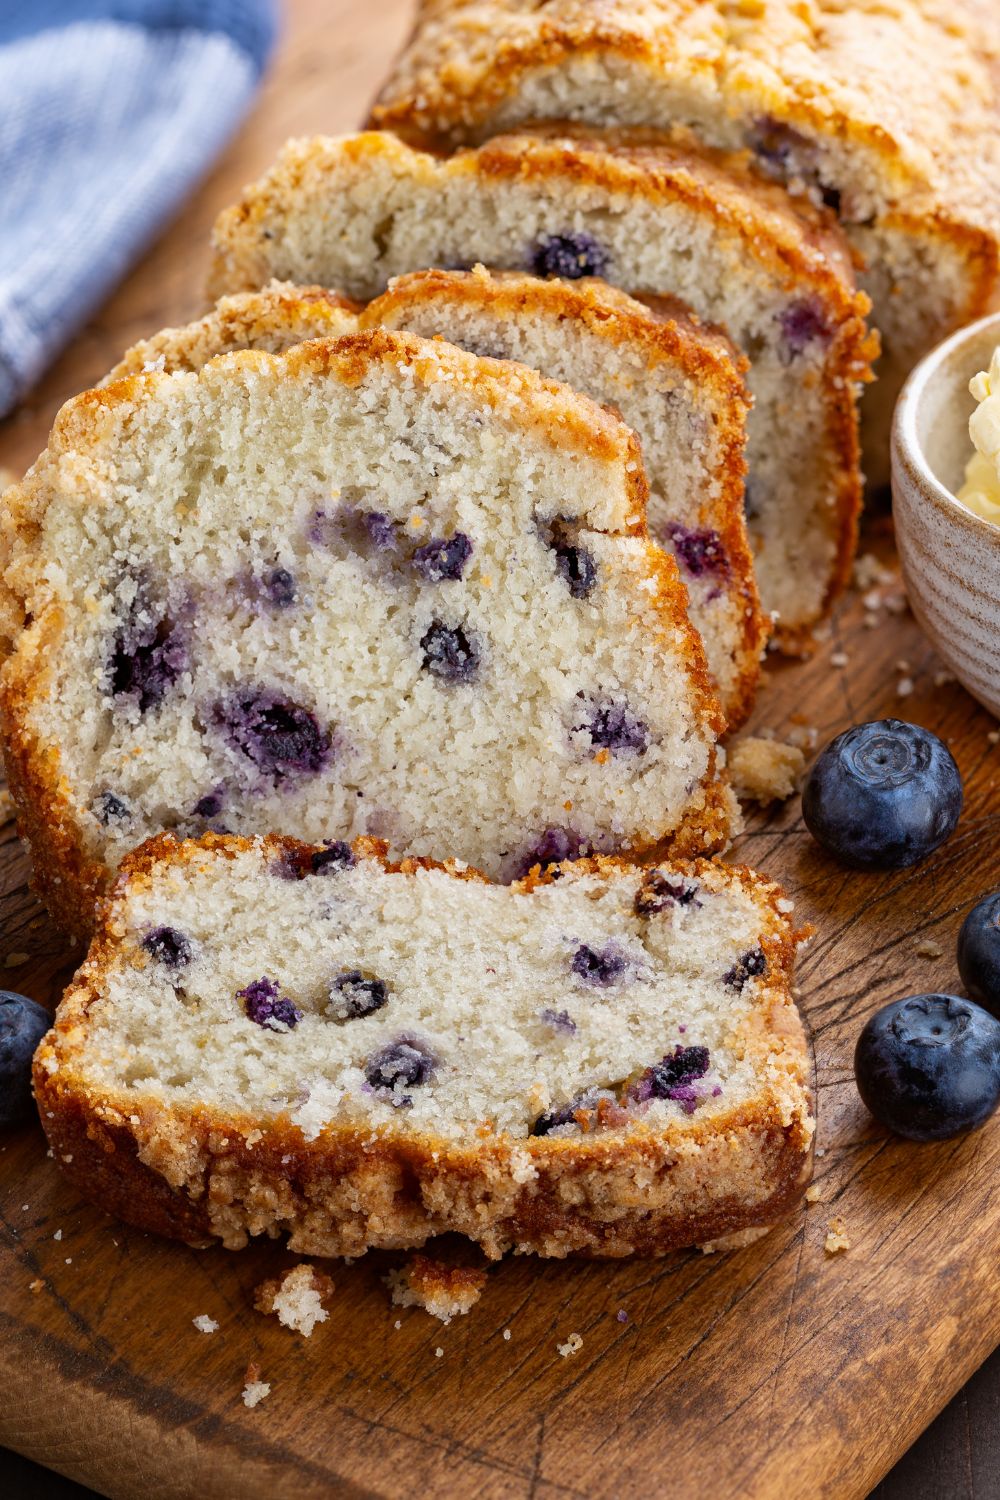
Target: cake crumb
{"type": "Point", "coordinates": [15, 960]}
{"type": "Point", "coordinates": [941, 679]}
{"type": "Point", "coordinates": [441, 1290]}
{"type": "Point", "coordinates": [57, 1235]}
{"type": "Point", "coordinates": [839, 659]}
{"type": "Point", "coordinates": [572, 1345]}
{"type": "Point", "coordinates": [837, 1238]}
{"type": "Point", "coordinates": [764, 770]}
{"type": "Point", "coordinates": [927, 948]}
{"type": "Point", "coordinates": [871, 621]}
{"type": "Point", "coordinates": [204, 1323]}
{"type": "Point", "coordinates": [904, 687]}
{"type": "Point", "coordinates": [296, 1298]}
{"type": "Point", "coordinates": [438, 1352]}
{"type": "Point", "coordinates": [506, 1334]}
{"type": "Point", "coordinates": [994, 736]}
{"type": "Point", "coordinates": [813, 1193]}
{"type": "Point", "coordinates": [35, 1286]}
{"type": "Point", "coordinates": [868, 571]}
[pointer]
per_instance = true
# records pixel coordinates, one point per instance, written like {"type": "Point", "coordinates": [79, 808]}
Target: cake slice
{"type": "Point", "coordinates": [372, 585]}
{"type": "Point", "coordinates": [675, 381]}
{"type": "Point", "coordinates": [270, 1038]}
{"type": "Point", "coordinates": [651, 219]}
{"type": "Point", "coordinates": [887, 114]}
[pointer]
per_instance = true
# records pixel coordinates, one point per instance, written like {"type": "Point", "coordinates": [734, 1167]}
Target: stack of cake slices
{"type": "Point", "coordinates": [368, 642]}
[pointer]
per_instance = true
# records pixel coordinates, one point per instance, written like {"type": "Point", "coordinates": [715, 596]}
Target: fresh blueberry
{"type": "Point", "coordinates": [802, 323]}
{"type": "Point", "coordinates": [698, 552]}
{"type": "Point", "coordinates": [569, 255]}
{"type": "Point", "coordinates": [168, 946]}
{"type": "Point", "coordinates": [749, 965]}
{"type": "Point", "coordinates": [334, 855]}
{"type": "Point", "coordinates": [928, 1067]}
{"type": "Point", "coordinates": [979, 952]}
{"type": "Point", "coordinates": [354, 994]}
{"type": "Point", "coordinates": [674, 1078]}
{"type": "Point", "coordinates": [279, 737]}
{"type": "Point", "coordinates": [449, 653]}
{"type": "Point", "coordinates": [22, 1026]}
{"type": "Point", "coordinates": [882, 795]}
{"type": "Point", "coordinates": [599, 967]}
{"type": "Point", "coordinates": [404, 1063]}
{"type": "Point", "coordinates": [112, 810]}
{"type": "Point", "coordinates": [267, 1007]}
{"type": "Point", "coordinates": [443, 558]}
{"type": "Point", "coordinates": [613, 726]}
{"type": "Point", "coordinates": [660, 890]}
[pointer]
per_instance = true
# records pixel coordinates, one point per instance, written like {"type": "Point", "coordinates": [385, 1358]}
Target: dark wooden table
{"type": "Point", "coordinates": [958, 1457]}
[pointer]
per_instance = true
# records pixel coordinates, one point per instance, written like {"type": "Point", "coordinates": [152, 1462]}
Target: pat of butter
{"type": "Point", "coordinates": [981, 490]}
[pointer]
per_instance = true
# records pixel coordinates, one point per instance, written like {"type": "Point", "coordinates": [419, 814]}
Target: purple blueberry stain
{"type": "Point", "coordinates": [614, 727]}
{"type": "Point", "coordinates": [553, 847]}
{"type": "Point", "coordinates": [449, 653]}
{"type": "Point", "coordinates": [149, 653]}
{"type": "Point", "coordinates": [112, 811]}
{"type": "Point", "coordinates": [367, 532]}
{"type": "Point", "coordinates": [802, 323]}
{"type": "Point", "coordinates": [281, 738]}
{"type": "Point", "coordinates": [577, 569]}
{"type": "Point", "coordinates": [571, 256]}
{"type": "Point", "coordinates": [334, 856]}
{"type": "Point", "coordinates": [599, 968]}
{"type": "Point", "coordinates": [354, 994]}
{"type": "Point", "coordinates": [211, 804]}
{"type": "Point", "coordinates": [661, 890]}
{"type": "Point", "coordinates": [279, 588]}
{"type": "Point", "coordinates": [675, 1077]}
{"type": "Point", "coordinates": [559, 1021]}
{"type": "Point", "coordinates": [698, 551]}
{"type": "Point", "coordinates": [264, 1004]}
{"type": "Point", "coordinates": [749, 965]}
{"type": "Point", "coordinates": [169, 947]}
{"type": "Point", "coordinates": [443, 559]}
{"type": "Point", "coordinates": [404, 1063]}
{"type": "Point", "coordinates": [566, 1114]}
{"type": "Point", "coordinates": [785, 152]}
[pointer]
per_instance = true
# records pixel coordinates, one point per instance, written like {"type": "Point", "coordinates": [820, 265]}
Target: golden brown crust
{"type": "Point", "coordinates": [665, 332]}
{"type": "Point", "coordinates": [198, 1175]}
{"type": "Point", "coordinates": [69, 877]}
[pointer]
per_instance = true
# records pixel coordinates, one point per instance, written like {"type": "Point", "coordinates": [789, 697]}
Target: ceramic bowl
{"type": "Point", "coordinates": [950, 557]}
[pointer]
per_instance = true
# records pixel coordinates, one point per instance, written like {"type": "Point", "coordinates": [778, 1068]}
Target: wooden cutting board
{"type": "Point", "coordinates": [776, 1371]}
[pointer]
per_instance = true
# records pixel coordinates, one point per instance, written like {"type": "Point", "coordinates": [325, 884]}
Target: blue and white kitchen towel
{"type": "Point", "coordinates": [110, 112]}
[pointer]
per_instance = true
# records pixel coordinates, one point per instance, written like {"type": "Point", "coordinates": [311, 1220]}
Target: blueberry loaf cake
{"type": "Point", "coordinates": [372, 585]}
{"type": "Point", "coordinates": [885, 113]}
{"type": "Point", "coordinates": [272, 1038]}
{"type": "Point", "coordinates": [675, 381]}
{"type": "Point", "coordinates": [653, 220]}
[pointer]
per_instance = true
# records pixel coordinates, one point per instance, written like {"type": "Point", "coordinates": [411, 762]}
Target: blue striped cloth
{"type": "Point", "coordinates": [110, 111]}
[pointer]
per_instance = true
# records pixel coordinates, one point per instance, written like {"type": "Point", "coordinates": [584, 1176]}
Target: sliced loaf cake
{"type": "Point", "coordinates": [280, 1039]}
{"type": "Point", "coordinates": [675, 381]}
{"type": "Point", "coordinates": [652, 219]}
{"type": "Point", "coordinates": [886, 113]}
{"type": "Point", "coordinates": [373, 585]}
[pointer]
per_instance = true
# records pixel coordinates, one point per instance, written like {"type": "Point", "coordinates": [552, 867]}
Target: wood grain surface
{"type": "Point", "coordinates": [777, 1371]}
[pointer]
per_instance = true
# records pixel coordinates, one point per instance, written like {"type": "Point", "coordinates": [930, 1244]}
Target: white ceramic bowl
{"type": "Point", "coordinates": [950, 557]}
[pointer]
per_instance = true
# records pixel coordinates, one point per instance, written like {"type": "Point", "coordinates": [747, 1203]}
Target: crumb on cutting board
{"type": "Point", "coordinates": [927, 948]}
{"type": "Point", "coordinates": [205, 1324]}
{"type": "Point", "coordinates": [254, 1389]}
{"type": "Point", "coordinates": [572, 1345]}
{"type": "Point", "coordinates": [837, 1239]}
{"type": "Point", "coordinates": [296, 1298]}
{"type": "Point", "coordinates": [443, 1291]}
{"type": "Point", "coordinates": [764, 770]}
{"type": "Point", "coordinates": [813, 1193]}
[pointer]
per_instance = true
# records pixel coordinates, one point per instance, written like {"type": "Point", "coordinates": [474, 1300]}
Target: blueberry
{"type": "Point", "coordinates": [660, 890]}
{"type": "Point", "coordinates": [111, 809]}
{"type": "Point", "coordinates": [22, 1026]}
{"type": "Point", "coordinates": [279, 737]}
{"type": "Point", "coordinates": [265, 1005]}
{"type": "Point", "coordinates": [599, 967]}
{"type": "Point", "coordinates": [404, 1063]}
{"type": "Point", "coordinates": [568, 255]}
{"type": "Point", "coordinates": [210, 805]}
{"type": "Point", "coordinates": [928, 1067]}
{"type": "Point", "coordinates": [577, 569]}
{"type": "Point", "coordinates": [698, 552]}
{"type": "Point", "coordinates": [566, 1114]}
{"type": "Point", "coordinates": [674, 1078]}
{"type": "Point", "coordinates": [148, 655]}
{"type": "Point", "coordinates": [882, 795]}
{"type": "Point", "coordinates": [802, 323]}
{"type": "Point", "coordinates": [979, 952]}
{"type": "Point", "coordinates": [334, 855]}
{"type": "Point", "coordinates": [279, 588]}
{"type": "Point", "coordinates": [613, 726]}
{"type": "Point", "coordinates": [749, 965]}
{"type": "Point", "coordinates": [553, 847]}
{"type": "Point", "coordinates": [168, 946]}
{"type": "Point", "coordinates": [449, 653]}
{"type": "Point", "coordinates": [354, 994]}
{"type": "Point", "coordinates": [443, 558]}
{"type": "Point", "coordinates": [380, 530]}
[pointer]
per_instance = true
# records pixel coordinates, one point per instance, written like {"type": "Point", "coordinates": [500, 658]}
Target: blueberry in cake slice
{"type": "Point", "coordinates": [884, 114]}
{"type": "Point", "coordinates": [328, 591]}
{"type": "Point", "coordinates": [285, 1039]}
{"type": "Point", "coordinates": [675, 381]}
{"type": "Point", "coordinates": [653, 219]}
